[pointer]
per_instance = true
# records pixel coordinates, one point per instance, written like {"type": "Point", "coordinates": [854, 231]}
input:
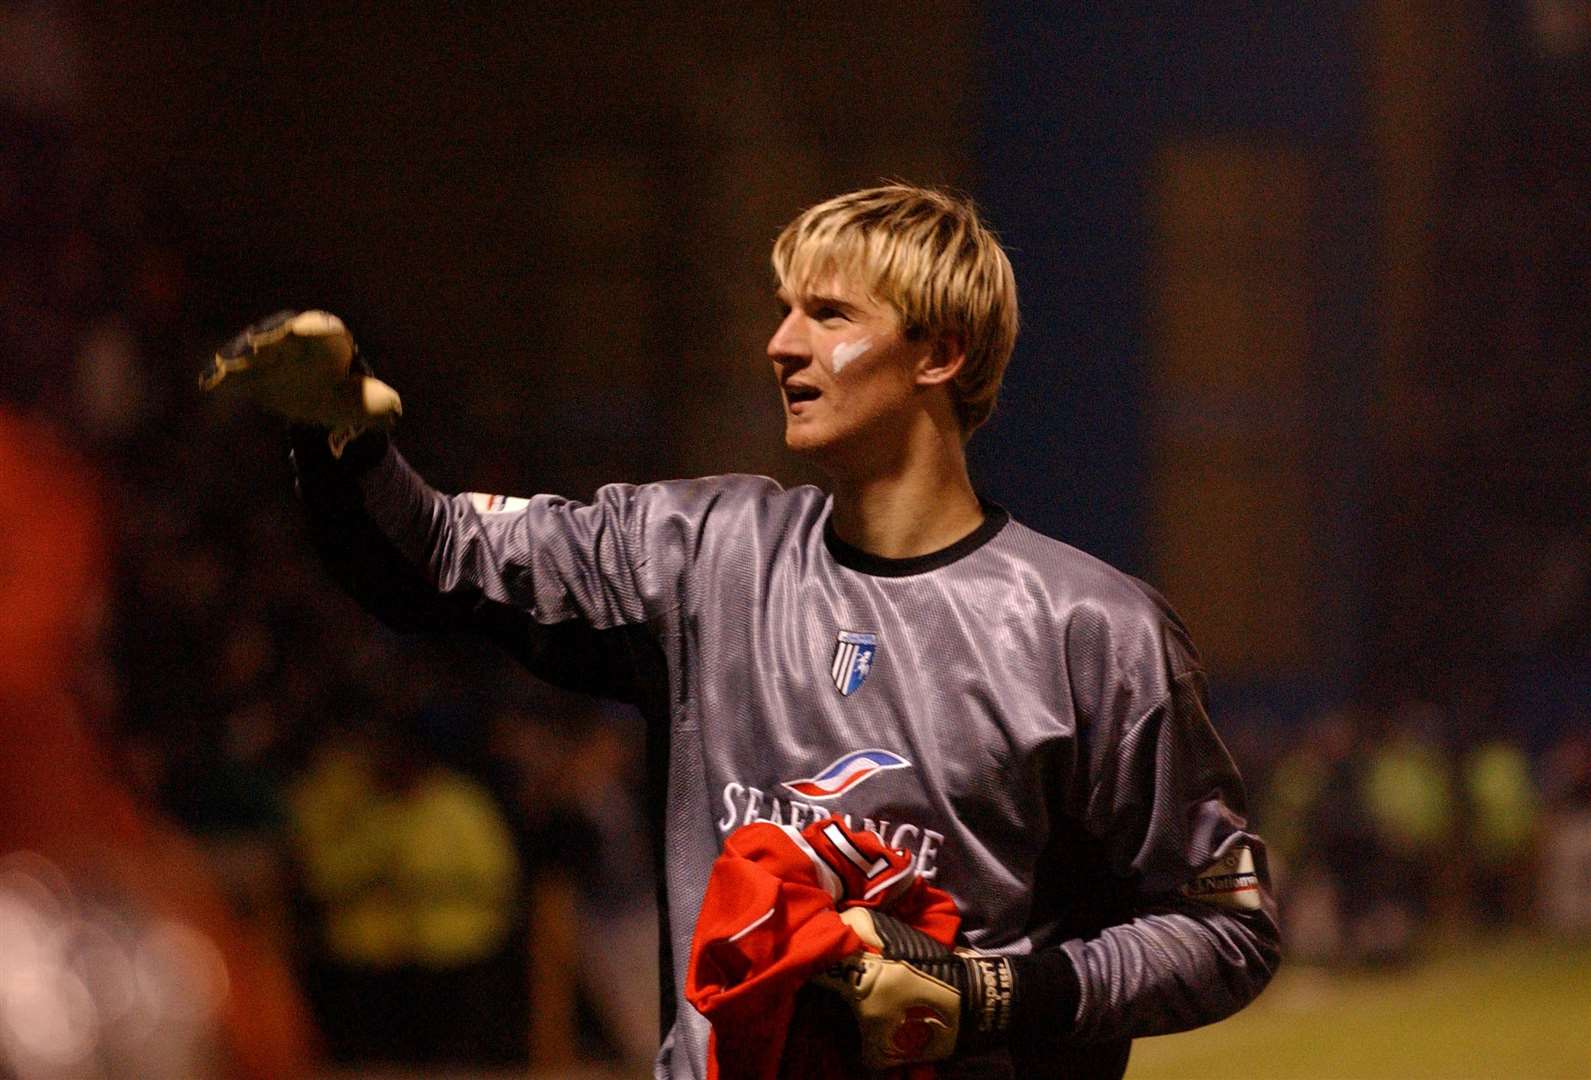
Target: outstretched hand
{"type": "Point", "coordinates": [302, 365]}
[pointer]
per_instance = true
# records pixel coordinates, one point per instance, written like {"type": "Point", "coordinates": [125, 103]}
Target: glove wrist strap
{"type": "Point", "coordinates": [991, 994]}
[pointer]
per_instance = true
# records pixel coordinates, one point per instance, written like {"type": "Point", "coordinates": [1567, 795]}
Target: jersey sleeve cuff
{"type": "Point", "coordinates": [317, 448]}
{"type": "Point", "coordinates": [1044, 1014]}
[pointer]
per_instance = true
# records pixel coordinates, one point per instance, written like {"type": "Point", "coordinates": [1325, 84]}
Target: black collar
{"type": "Point", "coordinates": [854, 558]}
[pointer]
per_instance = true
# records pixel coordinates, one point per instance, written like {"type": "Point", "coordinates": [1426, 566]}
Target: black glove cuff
{"type": "Point", "coordinates": [312, 450]}
{"type": "Point", "coordinates": [1044, 1014]}
{"type": "Point", "coordinates": [990, 998]}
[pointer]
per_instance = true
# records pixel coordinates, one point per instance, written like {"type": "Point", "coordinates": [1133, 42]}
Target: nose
{"type": "Point", "coordinates": [789, 346]}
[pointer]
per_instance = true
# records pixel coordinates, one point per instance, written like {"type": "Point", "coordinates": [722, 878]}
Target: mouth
{"type": "Point", "coordinates": [798, 395]}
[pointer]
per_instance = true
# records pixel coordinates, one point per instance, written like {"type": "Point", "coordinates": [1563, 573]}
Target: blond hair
{"type": "Point", "coordinates": [926, 253]}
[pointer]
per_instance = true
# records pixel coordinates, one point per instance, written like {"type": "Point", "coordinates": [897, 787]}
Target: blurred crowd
{"type": "Point", "coordinates": [422, 831]}
{"type": "Point", "coordinates": [1394, 831]}
{"type": "Point", "coordinates": [427, 835]}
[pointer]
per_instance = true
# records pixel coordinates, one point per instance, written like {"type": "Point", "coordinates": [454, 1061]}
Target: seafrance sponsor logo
{"type": "Point", "coordinates": [744, 804]}
{"type": "Point", "coordinates": [846, 771]}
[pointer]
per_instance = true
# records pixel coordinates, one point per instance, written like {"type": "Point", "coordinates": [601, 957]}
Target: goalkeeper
{"type": "Point", "coordinates": [1025, 722]}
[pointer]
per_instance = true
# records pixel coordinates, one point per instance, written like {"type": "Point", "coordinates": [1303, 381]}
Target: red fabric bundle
{"type": "Point", "coordinates": [770, 920]}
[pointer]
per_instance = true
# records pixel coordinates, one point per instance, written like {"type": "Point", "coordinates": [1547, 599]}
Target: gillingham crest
{"type": "Point", "coordinates": [853, 659]}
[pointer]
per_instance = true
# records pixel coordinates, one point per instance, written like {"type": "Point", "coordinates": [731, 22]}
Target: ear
{"type": "Point", "coordinates": [941, 363]}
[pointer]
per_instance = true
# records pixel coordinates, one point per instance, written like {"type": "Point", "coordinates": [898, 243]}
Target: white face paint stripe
{"type": "Point", "coordinates": [846, 351]}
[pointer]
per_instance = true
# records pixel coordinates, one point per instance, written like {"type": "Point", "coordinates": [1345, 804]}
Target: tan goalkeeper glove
{"type": "Point", "coordinates": [303, 365]}
{"type": "Point", "coordinates": [916, 1000]}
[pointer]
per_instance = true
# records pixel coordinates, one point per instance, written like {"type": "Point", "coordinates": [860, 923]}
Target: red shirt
{"type": "Point", "coordinates": [770, 920]}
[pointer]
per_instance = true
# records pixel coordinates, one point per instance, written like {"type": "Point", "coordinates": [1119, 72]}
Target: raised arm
{"type": "Point", "coordinates": [564, 586]}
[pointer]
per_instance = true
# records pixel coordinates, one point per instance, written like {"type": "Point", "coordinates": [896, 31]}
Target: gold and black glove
{"type": "Point", "coordinates": [304, 365]}
{"type": "Point", "coordinates": [915, 1000]}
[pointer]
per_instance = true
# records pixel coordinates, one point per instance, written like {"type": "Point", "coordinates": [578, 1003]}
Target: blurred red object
{"type": "Point", "coordinates": [59, 798]}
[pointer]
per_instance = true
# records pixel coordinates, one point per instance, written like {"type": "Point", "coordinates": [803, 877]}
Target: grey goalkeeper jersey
{"type": "Point", "coordinates": [1024, 719]}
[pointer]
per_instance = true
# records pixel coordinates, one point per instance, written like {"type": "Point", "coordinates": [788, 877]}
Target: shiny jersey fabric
{"type": "Point", "coordinates": [1028, 722]}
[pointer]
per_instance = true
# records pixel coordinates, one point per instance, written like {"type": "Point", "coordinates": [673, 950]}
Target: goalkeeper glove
{"type": "Point", "coordinates": [303, 365]}
{"type": "Point", "coordinates": [916, 1000]}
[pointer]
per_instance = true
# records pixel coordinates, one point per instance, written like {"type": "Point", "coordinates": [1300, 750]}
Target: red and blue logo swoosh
{"type": "Point", "coordinates": [846, 772]}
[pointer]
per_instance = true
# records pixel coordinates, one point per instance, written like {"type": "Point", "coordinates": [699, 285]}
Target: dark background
{"type": "Point", "coordinates": [1305, 299]}
{"type": "Point", "coordinates": [508, 203]}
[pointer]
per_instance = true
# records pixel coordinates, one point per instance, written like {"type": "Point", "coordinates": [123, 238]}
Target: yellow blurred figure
{"type": "Point", "coordinates": [425, 875]}
{"type": "Point", "coordinates": [1503, 802]}
{"type": "Point", "coordinates": [1409, 795]}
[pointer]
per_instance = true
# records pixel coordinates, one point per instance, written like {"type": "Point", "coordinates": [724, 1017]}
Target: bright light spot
{"type": "Point", "coordinates": [23, 934]}
{"type": "Point", "coordinates": [36, 879]}
{"type": "Point", "coordinates": [181, 972]}
{"type": "Point", "coordinates": [102, 962]}
{"type": "Point", "coordinates": [49, 1016]}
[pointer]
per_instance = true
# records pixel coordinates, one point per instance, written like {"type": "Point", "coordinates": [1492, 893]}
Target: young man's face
{"type": "Point", "coordinates": [847, 373]}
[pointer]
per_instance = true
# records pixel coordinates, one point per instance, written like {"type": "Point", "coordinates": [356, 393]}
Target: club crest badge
{"type": "Point", "coordinates": [853, 659]}
{"type": "Point", "coordinates": [846, 771]}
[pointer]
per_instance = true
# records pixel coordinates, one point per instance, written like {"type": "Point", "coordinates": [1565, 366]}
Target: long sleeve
{"type": "Point", "coordinates": [1204, 939]}
{"type": "Point", "coordinates": [574, 590]}
{"type": "Point", "coordinates": [1189, 934]}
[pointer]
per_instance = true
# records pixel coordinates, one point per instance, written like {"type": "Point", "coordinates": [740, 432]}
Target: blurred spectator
{"type": "Point", "coordinates": [577, 785]}
{"type": "Point", "coordinates": [1366, 821]}
{"type": "Point", "coordinates": [415, 881]}
{"type": "Point", "coordinates": [1408, 793]}
{"type": "Point", "coordinates": [1566, 772]}
{"type": "Point", "coordinates": [1566, 855]}
{"type": "Point", "coordinates": [618, 905]}
{"type": "Point", "coordinates": [1316, 771]}
{"type": "Point", "coordinates": [1504, 822]}
{"type": "Point", "coordinates": [1332, 850]}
